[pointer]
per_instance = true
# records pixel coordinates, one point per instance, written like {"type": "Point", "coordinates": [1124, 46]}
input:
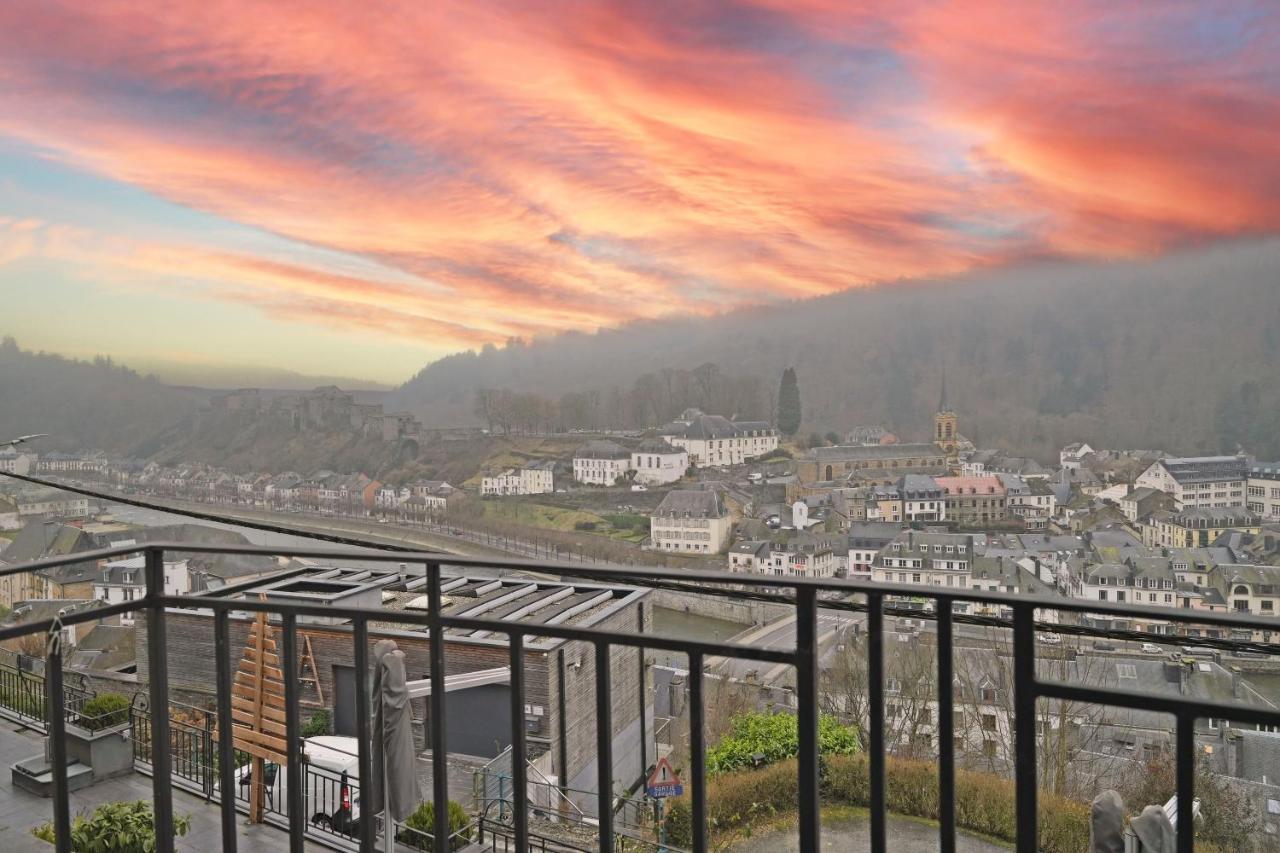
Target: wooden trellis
{"type": "Point", "coordinates": [257, 709]}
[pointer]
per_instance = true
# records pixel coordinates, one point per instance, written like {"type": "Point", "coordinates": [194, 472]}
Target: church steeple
{"type": "Point", "coordinates": [946, 431]}
{"type": "Point", "coordinates": [942, 398]}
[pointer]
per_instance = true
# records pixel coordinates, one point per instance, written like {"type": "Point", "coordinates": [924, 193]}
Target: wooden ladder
{"type": "Point", "coordinates": [308, 674]}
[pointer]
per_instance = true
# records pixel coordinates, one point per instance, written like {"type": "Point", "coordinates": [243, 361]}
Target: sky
{"type": "Point", "coordinates": [356, 189]}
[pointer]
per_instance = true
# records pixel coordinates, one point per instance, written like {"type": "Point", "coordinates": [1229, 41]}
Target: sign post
{"type": "Point", "coordinates": [662, 783]}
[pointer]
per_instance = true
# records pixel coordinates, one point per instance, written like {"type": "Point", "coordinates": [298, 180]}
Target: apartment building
{"type": "Point", "coordinates": [975, 500]}
{"type": "Point", "coordinates": [715, 441]}
{"type": "Point", "coordinates": [536, 478]}
{"type": "Point", "coordinates": [691, 521]}
{"type": "Point", "coordinates": [601, 463]}
{"type": "Point", "coordinates": [1195, 528]}
{"type": "Point", "coordinates": [1214, 482]}
{"type": "Point", "coordinates": [1262, 490]}
{"type": "Point", "coordinates": [657, 462]}
{"type": "Point", "coordinates": [932, 559]}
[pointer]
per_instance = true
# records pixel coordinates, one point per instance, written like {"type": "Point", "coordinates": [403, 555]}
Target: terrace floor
{"type": "Point", "coordinates": [21, 811]}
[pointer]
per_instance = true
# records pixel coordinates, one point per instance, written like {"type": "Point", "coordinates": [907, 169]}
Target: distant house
{"type": "Point", "coordinates": [790, 553]}
{"type": "Point", "coordinates": [601, 463]}
{"type": "Point", "coordinates": [1072, 456]}
{"type": "Point", "coordinates": [1215, 482]}
{"type": "Point", "coordinates": [714, 440]}
{"type": "Point", "coordinates": [125, 580]}
{"type": "Point", "coordinates": [975, 500]}
{"type": "Point", "coordinates": [1143, 501]}
{"type": "Point", "coordinates": [1031, 500]}
{"type": "Point", "coordinates": [1195, 528]}
{"type": "Point", "coordinates": [12, 462]}
{"type": "Point", "coordinates": [51, 503]}
{"type": "Point", "coordinates": [536, 478]}
{"type": "Point", "coordinates": [930, 559]}
{"type": "Point", "coordinates": [865, 541]}
{"type": "Point", "coordinates": [1263, 490]}
{"type": "Point", "coordinates": [691, 521]}
{"type": "Point", "coordinates": [657, 462]}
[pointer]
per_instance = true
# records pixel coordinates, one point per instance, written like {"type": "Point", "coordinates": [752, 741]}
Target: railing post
{"type": "Point", "coordinates": [439, 751]}
{"type": "Point", "coordinates": [158, 676]}
{"type": "Point", "coordinates": [1186, 776]}
{"type": "Point", "coordinates": [519, 769]}
{"type": "Point", "coordinates": [604, 747]}
{"type": "Point", "coordinates": [360, 636]}
{"type": "Point", "coordinates": [807, 713]}
{"type": "Point", "coordinates": [226, 732]}
{"type": "Point", "coordinates": [946, 732]}
{"type": "Point", "coordinates": [1024, 719]}
{"type": "Point", "coordinates": [875, 693]}
{"type": "Point", "coordinates": [293, 751]}
{"type": "Point", "coordinates": [57, 739]}
{"type": "Point", "coordinates": [698, 752]}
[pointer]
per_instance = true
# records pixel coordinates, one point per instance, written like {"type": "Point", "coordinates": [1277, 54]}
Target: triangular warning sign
{"type": "Point", "coordinates": [663, 774]}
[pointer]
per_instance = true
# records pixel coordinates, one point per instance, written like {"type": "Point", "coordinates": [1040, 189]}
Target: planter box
{"type": "Point", "coordinates": [109, 752]}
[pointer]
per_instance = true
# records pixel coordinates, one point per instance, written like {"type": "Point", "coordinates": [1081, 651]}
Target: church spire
{"type": "Point", "coordinates": [942, 399]}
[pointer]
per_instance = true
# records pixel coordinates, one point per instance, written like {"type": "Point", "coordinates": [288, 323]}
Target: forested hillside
{"type": "Point", "coordinates": [1180, 353]}
{"type": "Point", "coordinates": [86, 404]}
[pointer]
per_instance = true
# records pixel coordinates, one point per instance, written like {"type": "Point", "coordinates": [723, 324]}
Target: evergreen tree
{"type": "Point", "coordinates": [789, 403]}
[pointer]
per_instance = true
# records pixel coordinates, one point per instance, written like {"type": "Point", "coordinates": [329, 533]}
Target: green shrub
{"type": "Point", "coordinates": [104, 711]}
{"type": "Point", "coordinates": [737, 799]}
{"type": "Point", "coordinates": [584, 525]}
{"type": "Point", "coordinates": [422, 824]}
{"type": "Point", "coordinates": [115, 828]}
{"type": "Point", "coordinates": [319, 723]}
{"type": "Point", "coordinates": [775, 737]}
{"type": "Point", "coordinates": [777, 453]}
{"type": "Point", "coordinates": [984, 803]}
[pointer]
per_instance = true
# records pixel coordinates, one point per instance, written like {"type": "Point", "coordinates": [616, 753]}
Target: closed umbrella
{"type": "Point", "coordinates": [394, 785]}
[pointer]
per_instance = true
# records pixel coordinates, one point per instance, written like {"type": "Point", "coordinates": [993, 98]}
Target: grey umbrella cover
{"type": "Point", "coordinates": [393, 751]}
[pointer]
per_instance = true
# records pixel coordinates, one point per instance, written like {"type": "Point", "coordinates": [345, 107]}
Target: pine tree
{"type": "Point", "coordinates": [789, 403]}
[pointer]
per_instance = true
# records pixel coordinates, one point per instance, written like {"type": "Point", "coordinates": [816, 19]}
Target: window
{"type": "Point", "coordinates": [988, 696]}
{"type": "Point", "coordinates": [988, 722]}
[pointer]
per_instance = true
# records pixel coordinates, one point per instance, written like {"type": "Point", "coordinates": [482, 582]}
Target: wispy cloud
{"type": "Point", "coordinates": [522, 168]}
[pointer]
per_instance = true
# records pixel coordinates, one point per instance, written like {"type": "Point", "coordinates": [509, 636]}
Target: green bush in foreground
{"type": "Point", "coordinates": [319, 723]}
{"type": "Point", "coordinates": [115, 828]}
{"type": "Point", "coordinates": [104, 711]}
{"type": "Point", "coordinates": [422, 826]}
{"type": "Point", "coordinates": [775, 737]}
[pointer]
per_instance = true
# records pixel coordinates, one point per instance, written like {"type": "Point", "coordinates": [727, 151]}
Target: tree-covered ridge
{"type": "Point", "coordinates": [1178, 353]}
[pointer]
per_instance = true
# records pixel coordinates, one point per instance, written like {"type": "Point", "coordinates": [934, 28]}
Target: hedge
{"type": "Point", "coordinates": [985, 804]}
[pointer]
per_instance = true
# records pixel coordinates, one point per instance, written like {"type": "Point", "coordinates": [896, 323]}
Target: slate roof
{"type": "Point", "coordinates": [845, 453]}
{"type": "Point", "coordinates": [602, 449]}
{"type": "Point", "coordinates": [1205, 469]}
{"type": "Point", "coordinates": [691, 503]}
{"type": "Point", "coordinates": [656, 445]}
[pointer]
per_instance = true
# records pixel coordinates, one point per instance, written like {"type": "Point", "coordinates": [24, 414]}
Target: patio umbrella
{"type": "Point", "coordinates": [394, 785]}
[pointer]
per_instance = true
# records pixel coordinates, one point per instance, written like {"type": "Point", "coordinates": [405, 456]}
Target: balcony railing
{"type": "Point", "coordinates": [804, 596]}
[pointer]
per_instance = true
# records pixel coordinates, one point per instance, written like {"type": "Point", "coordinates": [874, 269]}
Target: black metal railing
{"type": "Point", "coordinates": [800, 594]}
{"type": "Point", "coordinates": [24, 697]}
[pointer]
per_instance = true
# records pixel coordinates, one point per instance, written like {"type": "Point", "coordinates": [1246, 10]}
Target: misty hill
{"type": "Point", "coordinates": [86, 404]}
{"type": "Point", "coordinates": [1179, 353]}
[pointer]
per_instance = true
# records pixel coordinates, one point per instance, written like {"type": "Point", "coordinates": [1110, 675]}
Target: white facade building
{"type": "Point", "coordinates": [657, 462]}
{"type": "Point", "coordinates": [714, 441]}
{"type": "Point", "coordinates": [601, 463]}
{"type": "Point", "coordinates": [1213, 482]}
{"type": "Point", "coordinates": [1262, 491]}
{"type": "Point", "coordinates": [125, 580]}
{"type": "Point", "coordinates": [537, 478]}
{"type": "Point", "coordinates": [690, 521]}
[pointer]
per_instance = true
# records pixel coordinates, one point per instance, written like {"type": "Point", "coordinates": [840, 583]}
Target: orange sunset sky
{"type": "Point", "coordinates": [358, 188]}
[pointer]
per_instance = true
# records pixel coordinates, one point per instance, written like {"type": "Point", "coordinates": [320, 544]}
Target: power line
{"type": "Point", "coordinates": [208, 516]}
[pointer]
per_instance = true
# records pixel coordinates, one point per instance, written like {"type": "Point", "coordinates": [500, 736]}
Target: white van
{"type": "Point", "coordinates": [331, 784]}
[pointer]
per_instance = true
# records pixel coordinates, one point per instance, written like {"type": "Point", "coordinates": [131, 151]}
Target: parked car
{"type": "Point", "coordinates": [1051, 639]}
{"type": "Point", "coordinates": [1104, 646]}
{"type": "Point", "coordinates": [331, 784]}
{"type": "Point", "coordinates": [1151, 649]}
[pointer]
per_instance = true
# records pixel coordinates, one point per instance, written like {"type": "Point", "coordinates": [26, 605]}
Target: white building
{"type": "Point", "coordinates": [601, 463]}
{"type": "Point", "coordinates": [53, 503]}
{"type": "Point", "coordinates": [714, 440]}
{"type": "Point", "coordinates": [67, 462]}
{"type": "Point", "coordinates": [798, 554]}
{"type": "Point", "coordinates": [1214, 482]}
{"type": "Point", "coordinates": [1071, 456]}
{"type": "Point", "coordinates": [656, 462]}
{"type": "Point", "coordinates": [125, 580]}
{"type": "Point", "coordinates": [1262, 491]}
{"type": "Point", "coordinates": [931, 559]}
{"type": "Point", "coordinates": [12, 462]}
{"type": "Point", "coordinates": [691, 521]}
{"type": "Point", "coordinates": [536, 478]}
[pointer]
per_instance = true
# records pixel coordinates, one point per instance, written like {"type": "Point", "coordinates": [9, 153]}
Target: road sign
{"type": "Point", "coordinates": [663, 781]}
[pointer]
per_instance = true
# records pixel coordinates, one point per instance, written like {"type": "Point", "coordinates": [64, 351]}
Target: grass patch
{"type": "Point", "coordinates": [627, 527]}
